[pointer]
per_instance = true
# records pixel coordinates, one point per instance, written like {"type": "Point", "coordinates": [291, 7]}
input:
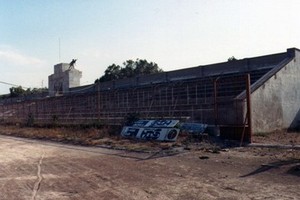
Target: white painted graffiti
{"type": "Point", "coordinates": [150, 134]}
{"type": "Point", "coordinates": [161, 134]}
{"type": "Point", "coordinates": [143, 123]}
{"type": "Point", "coordinates": [162, 130]}
{"type": "Point", "coordinates": [130, 132]}
{"type": "Point", "coordinates": [156, 123]}
{"type": "Point", "coordinates": [165, 123]}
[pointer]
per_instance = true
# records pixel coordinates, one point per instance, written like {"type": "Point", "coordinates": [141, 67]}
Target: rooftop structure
{"type": "Point", "coordinates": [65, 77]}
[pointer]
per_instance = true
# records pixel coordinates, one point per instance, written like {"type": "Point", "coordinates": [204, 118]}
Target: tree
{"type": "Point", "coordinates": [232, 58]}
{"type": "Point", "coordinates": [37, 90]}
{"type": "Point", "coordinates": [111, 73]}
{"type": "Point", "coordinates": [130, 69]}
{"type": "Point", "coordinates": [19, 91]}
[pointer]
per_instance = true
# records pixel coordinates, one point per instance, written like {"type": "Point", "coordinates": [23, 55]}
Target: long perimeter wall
{"type": "Point", "coordinates": [215, 99]}
{"type": "Point", "coordinates": [204, 100]}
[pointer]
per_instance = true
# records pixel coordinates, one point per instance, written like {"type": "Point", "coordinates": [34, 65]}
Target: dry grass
{"type": "Point", "coordinates": [110, 137]}
{"type": "Point", "coordinates": [105, 136]}
{"type": "Point", "coordinates": [76, 135]}
{"type": "Point", "coordinates": [277, 137]}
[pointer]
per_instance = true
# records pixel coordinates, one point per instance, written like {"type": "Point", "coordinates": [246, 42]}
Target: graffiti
{"type": "Point", "coordinates": [193, 128]}
{"type": "Point", "coordinates": [165, 123]}
{"type": "Point", "coordinates": [161, 130]}
{"type": "Point", "coordinates": [156, 123]}
{"type": "Point", "coordinates": [161, 134]}
{"type": "Point", "coordinates": [143, 123]}
{"type": "Point", "coordinates": [162, 123]}
{"type": "Point", "coordinates": [172, 135]}
{"type": "Point", "coordinates": [130, 132]}
{"type": "Point", "coordinates": [150, 134]}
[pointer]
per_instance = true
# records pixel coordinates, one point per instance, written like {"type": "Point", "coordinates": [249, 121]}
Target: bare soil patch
{"type": "Point", "coordinates": [278, 137]}
{"type": "Point", "coordinates": [187, 169]}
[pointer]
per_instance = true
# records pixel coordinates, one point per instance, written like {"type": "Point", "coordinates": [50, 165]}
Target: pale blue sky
{"type": "Point", "coordinates": [173, 33]}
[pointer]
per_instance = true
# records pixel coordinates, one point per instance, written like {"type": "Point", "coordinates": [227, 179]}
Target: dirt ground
{"type": "Point", "coordinates": [40, 169]}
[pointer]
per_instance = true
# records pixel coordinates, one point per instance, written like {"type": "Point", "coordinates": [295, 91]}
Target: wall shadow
{"type": "Point", "coordinates": [294, 170]}
{"type": "Point", "coordinates": [295, 124]}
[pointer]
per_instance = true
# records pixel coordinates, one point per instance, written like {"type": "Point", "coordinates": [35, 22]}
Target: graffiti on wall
{"type": "Point", "coordinates": [193, 128]}
{"type": "Point", "coordinates": [161, 130]}
{"type": "Point", "coordinates": [131, 132]}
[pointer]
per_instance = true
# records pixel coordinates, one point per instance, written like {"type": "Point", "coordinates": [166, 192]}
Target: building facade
{"type": "Point", "coordinates": [63, 78]}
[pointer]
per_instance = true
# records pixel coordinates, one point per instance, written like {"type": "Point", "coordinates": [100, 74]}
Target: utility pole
{"type": "Point", "coordinates": [248, 93]}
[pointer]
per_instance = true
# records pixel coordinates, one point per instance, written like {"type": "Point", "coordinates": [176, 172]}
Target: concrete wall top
{"type": "Point", "coordinates": [290, 55]}
{"type": "Point", "coordinates": [151, 78]}
{"type": "Point", "coordinates": [231, 67]}
{"type": "Point", "coordinates": [83, 89]}
{"type": "Point", "coordinates": [61, 67]}
{"type": "Point", "coordinates": [235, 66]}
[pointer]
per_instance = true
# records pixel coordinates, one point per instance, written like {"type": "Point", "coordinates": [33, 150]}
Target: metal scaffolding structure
{"type": "Point", "coordinates": [210, 100]}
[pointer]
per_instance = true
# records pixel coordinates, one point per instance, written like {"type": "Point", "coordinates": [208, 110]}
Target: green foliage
{"type": "Point", "coordinates": [16, 91]}
{"type": "Point", "coordinates": [262, 134]}
{"type": "Point", "coordinates": [37, 90]}
{"type": "Point", "coordinates": [111, 73]}
{"type": "Point", "coordinates": [55, 120]}
{"type": "Point", "coordinates": [30, 120]}
{"type": "Point", "coordinates": [131, 118]}
{"type": "Point", "coordinates": [19, 91]}
{"type": "Point", "coordinates": [232, 58]}
{"type": "Point", "coordinates": [129, 69]}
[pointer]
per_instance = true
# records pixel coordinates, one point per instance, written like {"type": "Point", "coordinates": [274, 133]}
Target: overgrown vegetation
{"type": "Point", "coordinates": [261, 134]}
{"type": "Point", "coordinates": [30, 120]}
{"type": "Point", "coordinates": [232, 58]}
{"type": "Point", "coordinates": [19, 91]}
{"type": "Point", "coordinates": [131, 118]}
{"type": "Point", "coordinates": [129, 69]}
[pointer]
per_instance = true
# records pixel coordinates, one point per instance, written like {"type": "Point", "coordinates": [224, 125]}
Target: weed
{"type": "Point", "coordinates": [261, 134]}
{"type": "Point", "coordinates": [30, 120]}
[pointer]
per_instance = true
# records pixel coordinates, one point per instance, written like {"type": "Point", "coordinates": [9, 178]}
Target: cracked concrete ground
{"type": "Point", "coordinates": [31, 169]}
{"type": "Point", "coordinates": [39, 178]}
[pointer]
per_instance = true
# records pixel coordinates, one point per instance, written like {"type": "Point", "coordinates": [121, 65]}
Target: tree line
{"type": "Point", "coordinates": [20, 91]}
{"type": "Point", "coordinates": [129, 69]}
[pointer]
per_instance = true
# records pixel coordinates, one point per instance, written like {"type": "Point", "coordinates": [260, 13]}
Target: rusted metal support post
{"type": "Point", "coordinates": [36, 109]}
{"type": "Point", "coordinates": [249, 115]}
{"type": "Point", "coordinates": [98, 101]}
{"type": "Point", "coordinates": [215, 102]}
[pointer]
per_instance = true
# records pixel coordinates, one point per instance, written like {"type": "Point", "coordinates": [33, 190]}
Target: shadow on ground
{"type": "Point", "coordinates": [294, 170]}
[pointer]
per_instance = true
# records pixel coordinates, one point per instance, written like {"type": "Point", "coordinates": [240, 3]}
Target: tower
{"type": "Point", "coordinates": [65, 76]}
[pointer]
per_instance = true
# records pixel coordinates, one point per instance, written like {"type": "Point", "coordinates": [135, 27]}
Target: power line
{"type": "Point", "coordinates": [59, 50]}
{"type": "Point", "coordinates": [11, 84]}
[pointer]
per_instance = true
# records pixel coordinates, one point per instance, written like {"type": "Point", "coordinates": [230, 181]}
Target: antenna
{"type": "Point", "coordinates": [58, 49]}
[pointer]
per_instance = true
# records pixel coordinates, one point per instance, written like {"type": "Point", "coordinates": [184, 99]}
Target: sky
{"type": "Point", "coordinates": [37, 34]}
